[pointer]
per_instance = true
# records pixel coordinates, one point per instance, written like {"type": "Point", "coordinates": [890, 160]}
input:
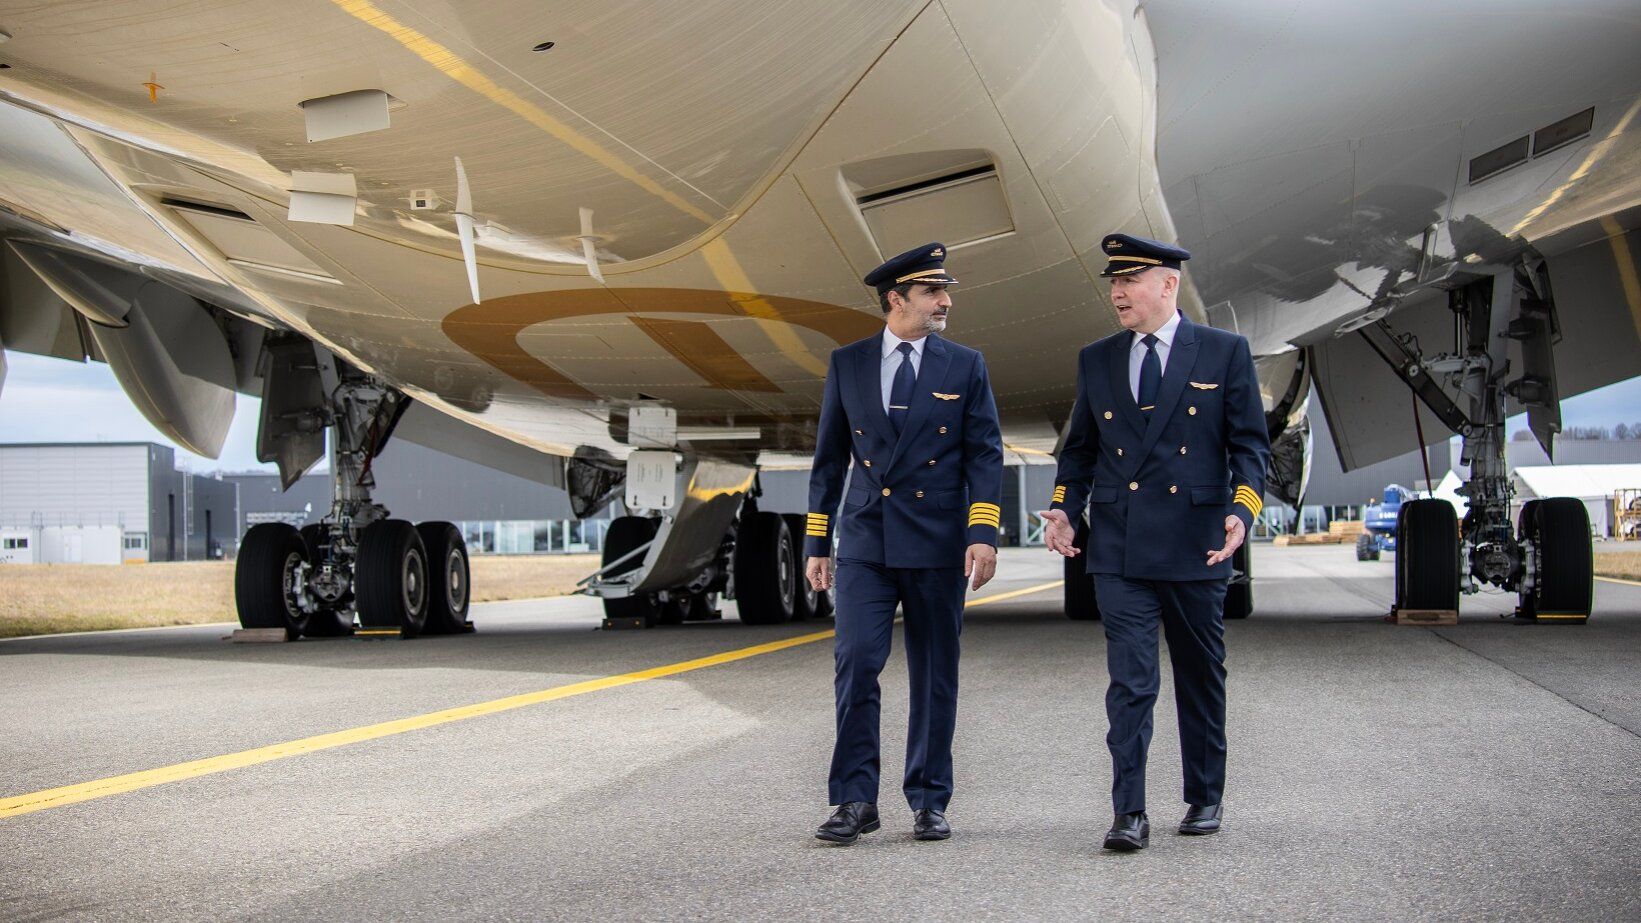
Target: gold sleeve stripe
{"type": "Point", "coordinates": [1246, 496]}
{"type": "Point", "coordinates": [1059, 494]}
{"type": "Point", "coordinates": [985, 506]}
{"type": "Point", "coordinates": [821, 534]}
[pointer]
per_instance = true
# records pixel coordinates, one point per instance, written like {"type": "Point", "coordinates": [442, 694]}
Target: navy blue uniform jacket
{"type": "Point", "coordinates": [919, 500]}
{"type": "Point", "coordinates": [1159, 484]}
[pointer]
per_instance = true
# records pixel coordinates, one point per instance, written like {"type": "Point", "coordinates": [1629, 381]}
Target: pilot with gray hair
{"type": "Point", "coordinates": [1166, 448]}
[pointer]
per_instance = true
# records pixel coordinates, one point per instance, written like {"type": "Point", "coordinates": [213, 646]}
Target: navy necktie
{"type": "Point", "coordinates": [900, 393]}
{"type": "Point", "coordinates": [1150, 373]}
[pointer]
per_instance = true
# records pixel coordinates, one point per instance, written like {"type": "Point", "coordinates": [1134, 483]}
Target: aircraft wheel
{"type": "Point", "coordinates": [390, 577]}
{"type": "Point", "coordinates": [331, 618]}
{"type": "Point", "coordinates": [1080, 604]}
{"type": "Point", "coordinates": [449, 591]}
{"type": "Point", "coordinates": [1239, 593]}
{"type": "Point", "coordinates": [1564, 588]}
{"type": "Point", "coordinates": [625, 534]}
{"type": "Point", "coordinates": [271, 557]}
{"type": "Point", "coordinates": [806, 602]}
{"type": "Point", "coordinates": [766, 569]}
{"type": "Point", "coordinates": [1427, 556]}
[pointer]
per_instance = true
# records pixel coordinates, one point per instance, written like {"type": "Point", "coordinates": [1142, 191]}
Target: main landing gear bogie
{"type": "Point", "coordinates": [314, 583]}
{"type": "Point", "coordinates": [760, 566]}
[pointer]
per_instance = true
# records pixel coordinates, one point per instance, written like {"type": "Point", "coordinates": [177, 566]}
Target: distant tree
{"type": "Point", "coordinates": [1522, 435]}
{"type": "Point", "coordinates": [1621, 431]}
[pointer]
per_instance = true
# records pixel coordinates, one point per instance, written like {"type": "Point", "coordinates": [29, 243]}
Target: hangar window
{"type": "Point", "coordinates": [136, 541]}
{"type": "Point", "coordinates": [12, 544]}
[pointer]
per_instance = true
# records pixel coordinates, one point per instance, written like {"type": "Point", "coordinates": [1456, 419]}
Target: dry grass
{"type": "Point", "coordinates": [1623, 562]}
{"type": "Point", "coordinates": [40, 599]}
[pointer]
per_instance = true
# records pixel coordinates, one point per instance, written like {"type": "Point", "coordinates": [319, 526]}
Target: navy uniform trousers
{"type": "Point", "coordinates": [867, 596]}
{"type": "Point", "coordinates": [1191, 615]}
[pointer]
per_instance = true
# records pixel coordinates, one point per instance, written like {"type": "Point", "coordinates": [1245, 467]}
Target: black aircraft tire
{"type": "Point", "coordinates": [1565, 590]}
{"type": "Point", "coordinates": [449, 576]}
{"type": "Point", "coordinates": [390, 577]}
{"type": "Point", "coordinates": [766, 570]}
{"type": "Point", "coordinates": [1239, 593]}
{"type": "Point", "coordinates": [806, 604]}
{"type": "Point", "coordinates": [1080, 603]}
{"type": "Point", "coordinates": [269, 556]}
{"type": "Point", "coordinates": [1427, 556]}
{"type": "Point", "coordinates": [625, 534]}
{"type": "Point", "coordinates": [328, 620]}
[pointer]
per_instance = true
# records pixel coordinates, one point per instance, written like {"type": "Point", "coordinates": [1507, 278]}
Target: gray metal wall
{"type": "Point", "coordinates": [101, 484]}
{"type": "Point", "coordinates": [415, 483]}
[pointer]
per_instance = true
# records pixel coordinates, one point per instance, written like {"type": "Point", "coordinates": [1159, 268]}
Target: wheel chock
{"type": "Point", "coordinates": [260, 636]}
{"type": "Point", "coordinates": [1554, 618]}
{"type": "Point", "coordinates": [1428, 617]}
{"type": "Point", "coordinates": [376, 634]}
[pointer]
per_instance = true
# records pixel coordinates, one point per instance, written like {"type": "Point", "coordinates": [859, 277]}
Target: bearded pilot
{"type": "Point", "coordinates": [914, 415]}
{"type": "Point", "coordinates": [1166, 447]}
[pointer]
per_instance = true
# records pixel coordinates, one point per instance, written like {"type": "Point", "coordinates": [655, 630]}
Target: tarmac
{"type": "Point", "coordinates": [541, 769]}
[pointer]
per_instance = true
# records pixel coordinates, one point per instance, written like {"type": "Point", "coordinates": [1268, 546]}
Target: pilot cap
{"type": "Point", "coordinates": [921, 265]}
{"type": "Point", "coordinates": [1128, 254]}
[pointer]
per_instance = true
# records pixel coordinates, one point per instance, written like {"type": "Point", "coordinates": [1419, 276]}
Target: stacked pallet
{"type": "Point", "coordinates": [1313, 538]}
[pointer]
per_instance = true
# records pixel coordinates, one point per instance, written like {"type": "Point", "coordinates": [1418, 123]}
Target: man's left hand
{"type": "Point", "coordinates": [1235, 532]}
{"type": "Point", "coordinates": [980, 563]}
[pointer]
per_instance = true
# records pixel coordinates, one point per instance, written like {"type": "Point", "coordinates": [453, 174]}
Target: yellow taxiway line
{"type": "Point", "coordinates": [102, 788]}
{"type": "Point", "coordinates": [1620, 580]}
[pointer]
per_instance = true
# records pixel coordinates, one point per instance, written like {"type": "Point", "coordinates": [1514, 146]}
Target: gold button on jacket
{"type": "Point", "coordinates": [886, 491]}
{"type": "Point", "coordinates": [1133, 485]}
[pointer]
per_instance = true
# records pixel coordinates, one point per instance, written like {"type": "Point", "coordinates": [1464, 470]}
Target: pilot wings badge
{"type": "Point", "coordinates": [1204, 387]}
{"type": "Point", "coordinates": [946, 397]}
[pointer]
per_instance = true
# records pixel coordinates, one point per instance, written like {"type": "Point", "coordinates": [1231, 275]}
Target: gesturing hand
{"type": "Point", "coordinates": [1235, 532]}
{"type": "Point", "coordinates": [1058, 533]}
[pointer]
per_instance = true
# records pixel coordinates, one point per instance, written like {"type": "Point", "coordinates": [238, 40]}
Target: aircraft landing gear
{"type": "Point", "coordinates": [357, 563]}
{"type": "Point", "coordinates": [1546, 558]}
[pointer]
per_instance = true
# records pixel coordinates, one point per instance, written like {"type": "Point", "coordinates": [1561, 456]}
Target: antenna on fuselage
{"type": "Point", "coordinates": [465, 228]}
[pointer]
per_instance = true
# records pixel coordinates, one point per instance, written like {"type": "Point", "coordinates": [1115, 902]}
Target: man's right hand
{"type": "Point", "coordinates": [819, 573]}
{"type": "Point", "coordinates": [1058, 533]}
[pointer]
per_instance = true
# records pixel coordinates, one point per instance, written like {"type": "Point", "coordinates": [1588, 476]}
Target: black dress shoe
{"type": "Point", "coordinates": [1202, 821]}
{"type": "Point", "coordinates": [1129, 832]}
{"type": "Point", "coordinates": [929, 824]}
{"type": "Point", "coordinates": [848, 822]}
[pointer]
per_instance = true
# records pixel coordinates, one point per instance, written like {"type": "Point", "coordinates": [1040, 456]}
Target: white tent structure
{"type": "Point", "coordinates": [1593, 484]}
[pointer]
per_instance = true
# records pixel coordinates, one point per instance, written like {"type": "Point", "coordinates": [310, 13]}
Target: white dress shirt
{"type": "Point", "coordinates": [1136, 353]}
{"type": "Point", "coordinates": [892, 360]}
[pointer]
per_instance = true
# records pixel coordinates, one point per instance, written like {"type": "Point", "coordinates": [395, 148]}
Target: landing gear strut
{"type": "Point", "coordinates": [1545, 557]}
{"type": "Point", "coordinates": [357, 563]}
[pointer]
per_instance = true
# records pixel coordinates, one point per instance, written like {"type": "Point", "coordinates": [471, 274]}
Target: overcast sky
{"type": "Point", "coordinates": [52, 400]}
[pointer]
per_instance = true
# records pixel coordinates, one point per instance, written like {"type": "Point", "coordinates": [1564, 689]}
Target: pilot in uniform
{"type": "Point", "coordinates": [1167, 447]}
{"type": "Point", "coordinates": [915, 415]}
